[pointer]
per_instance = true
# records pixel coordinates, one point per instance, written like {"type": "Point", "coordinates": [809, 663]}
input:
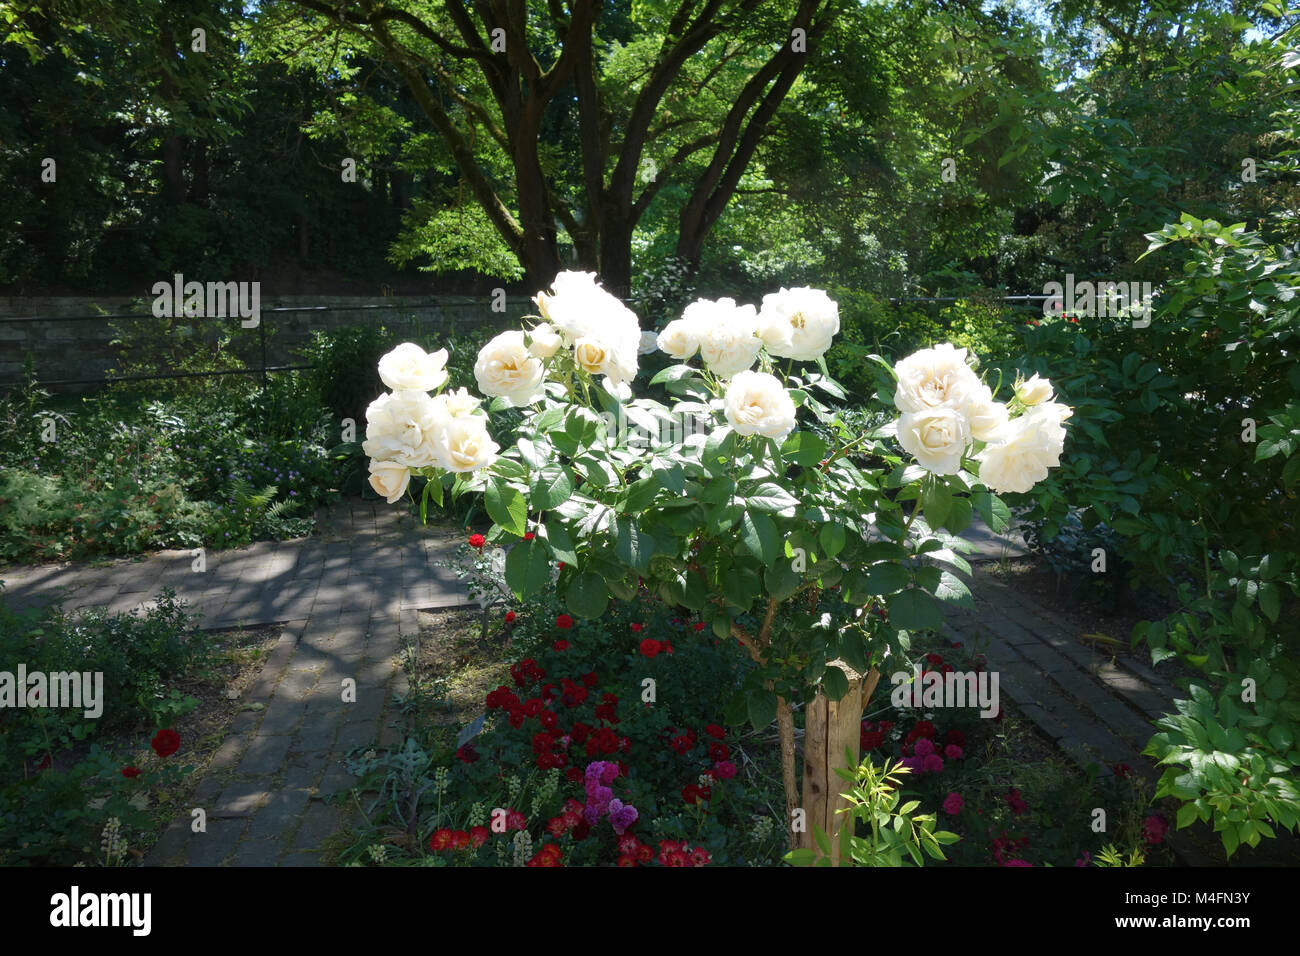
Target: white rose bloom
{"type": "Point", "coordinates": [1028, 446]}
{"type": "Point", "coordinates": [680, 339]}
{"type": "Point", "coordinates": [579, 308]}
{"type": "Point", "coordinates": [464, 445]}
{"type": "Point", "coordinates": [812, 316]}
{"type": "Point", "coordinates": [985, 416]}
{"type": "Point", "coordinates": [935, 378]}
{"type": "Point", "coordinates": [936, 438]}
{"type": "Point", "coordinates": [758, 404]}
{"type": "Point", "coordinates": [389, 479]}
{"type": "Point", "coordinates": [456, 404]}
{"type": "Point", "coordinates": [506, 368]}
{"type": "Point", "coordinates": [1034, 390]}
{"type": "Point", "coordinates": [728, 344]}
{"type": "Point", "coordinates": [401, 427]}
{"type": "Point", "coordinates": [591, 354]}
{"type": "Point", "coordinates": [649, 343]}
{"type": "Point", "coordinates": [775, 330]}
{"type": "Point", "coordinates": [409, 368]}
{"type": "Point", "coordinates": [545, 341]}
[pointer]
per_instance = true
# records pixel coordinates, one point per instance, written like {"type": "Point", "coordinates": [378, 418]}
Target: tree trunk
{"type": "Point", "coordinates": [832, 738]}
{"type": "Point", "coordinates": [616, 256]}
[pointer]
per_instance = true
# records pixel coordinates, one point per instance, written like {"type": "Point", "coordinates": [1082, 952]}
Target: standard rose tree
{"type": "Point", "coordinates": [820, 556]}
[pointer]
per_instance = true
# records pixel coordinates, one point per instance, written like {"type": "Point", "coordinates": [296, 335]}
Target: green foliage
{"type": "Point", "coordinates": [896, 834]}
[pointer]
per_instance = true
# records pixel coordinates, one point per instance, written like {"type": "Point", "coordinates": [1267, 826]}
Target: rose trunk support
{"type": "Point", "coordinates": [832, 738]}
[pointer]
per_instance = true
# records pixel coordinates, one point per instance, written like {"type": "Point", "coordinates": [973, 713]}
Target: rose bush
{"type": "Point", "coordinates": [718, 500]}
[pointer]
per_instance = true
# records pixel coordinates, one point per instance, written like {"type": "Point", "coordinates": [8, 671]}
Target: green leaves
{"type": "Point", "coordinates": [528, 568]}
{"type": "Point", "coordinates": [761, 706]}
{"type": "Point", "coordinates": [632, 545]}
{"type": "Point", "coordinates": [506, 506]}
{"type": "Point", "coordinates": [804, 448]}
{"type": "Point", "coordinates": [550, 487]}
{"type": "Point", "coordinates": [914, 610]}
{"type": "Point", "coordinates": [587, 596]}
{"type": "Point", "coordinates": [759, 537]}
{"type": "Point", "coordinates": [990, 507]}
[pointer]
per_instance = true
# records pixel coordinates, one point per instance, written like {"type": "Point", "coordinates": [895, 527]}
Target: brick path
{"type": "Point", "coordinates": [1097, 708]}
{"type": "Point", "coordinates": [346, 596]}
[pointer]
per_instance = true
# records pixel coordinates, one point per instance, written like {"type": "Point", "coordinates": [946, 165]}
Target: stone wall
{"type": "Point", "coordinates": [70, 339]}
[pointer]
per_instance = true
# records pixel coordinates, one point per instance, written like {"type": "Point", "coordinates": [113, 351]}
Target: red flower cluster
{"type": "Point", "coordinates": [650, 647]}
{"type": "Point", "coordinates": [510, 616]}
{"type": "Point", "coordinates": [477, 541]}
{"type": "Point", "coordinates": [1154, 829]}
{"type": "Point", "coordinates": [130, 772]}
{"type": "Point", "coordinates": [632, 852]}
{"type": "Point", "coordinates": [560, 646]}
{"type": "Point", "coordinates": [1006, 851]}
{"type": "Point", "coordinates": [693, 793]}
{"type": "Point", "coordinates": [570, 819]}
{"type": "Point", "coordinates": [573, 693]}
{"type": "Point", "coordinates": [526, 672]}
{"type": "Point", "coordinates": [714, 731]}
{"type": "Point", "coordinates": [549, 855]}
{"type": "Point", "coordinates": [445, 839]}
{"type": "Point", "coordinates": [673, 853]}
{"type": "Point", "coordinates": [564, 622]}
{"type": "Point", "coordinates": [872, 735]}
{"type": "Point", "coordinates": [467, 754]}
{"type": "Point", "coordinates": [1015, 802]}
{"type": "Point", "coordinates": [681, 744]}
{"type": "Point", "coordinates": [607, 711]}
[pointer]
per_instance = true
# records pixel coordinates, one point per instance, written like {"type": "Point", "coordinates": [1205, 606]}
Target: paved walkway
{"type": "Point", "coordinates": [349, 594]}
{"type": "Point", "coordinates": [346, 596]}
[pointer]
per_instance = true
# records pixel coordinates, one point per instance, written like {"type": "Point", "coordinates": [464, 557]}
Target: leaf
{"type": "Point", "coordinates": [781, 580]}
{"type": "Point", "coordinates": [632, 545]}
{"type": "Point", "coordinates": [558, 538]}
{"type": "Point", "coordinates": [773, 499]}
{"type": "Point", "coordinates": [885, 578]}
{"type": "Point", "coordinates": [507, 507]}
{"type": "Point", "coordinates": [936, 502]}
{"type": "Point", "coordinates": [528, 568]}
{"type": "Point", "coordinates": [991, 508]}
{"type": "Point", "coordinates": [823, 841]}
{"type": "Point", "coordinates": [762, 707]}
{"type": "Point", "coordinates": [833, 538]}
{"type": "Point", "coordinates": [914, 610]}
{"type": "Point", "coordinates": [953, 590]}
{"type": "Point", "coordinates": [550, 487]}
{"type": "Point", "coordinates": [672, 373]}
{"type": "Point", "coordinates": [1270, 600]}
{"type": "Point", "coordinates": [587, 596]}
{"type": "Point", "coordinates": [835, 683]}
{"type": "Point", "coordinates": [759, 536]}
{"type": "Point", "coordinates": [804, 448]}
{"type": "Point", "coordinates": [802, 857]}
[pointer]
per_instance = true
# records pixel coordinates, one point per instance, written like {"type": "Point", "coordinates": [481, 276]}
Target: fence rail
{"type": "Point", "coordinates": [409, 309]}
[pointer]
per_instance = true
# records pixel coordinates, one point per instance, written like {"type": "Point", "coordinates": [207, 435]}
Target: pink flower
{"type": "Point", "coordinates": [953, 803]}
{"type": "Point", "coordinates": [724, 769]}
{"type": "Point", "coordinates": [1017, 862]}
{"type": "Point", "coordinates": [1017, 805]}
{"type": "Point", "coordinates": [923, 747]}
{"type": "Point", "coordinates": [933, 764]}
{"type": "Point", "coordinates": [1154, 829]}
{"type": "Point", "coordinates": [952, 752]}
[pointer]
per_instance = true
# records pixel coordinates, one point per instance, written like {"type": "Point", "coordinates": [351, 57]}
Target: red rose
{"type": "Point", "coordinates": [441, 840]}
{"type": "Point", "coordinates": [650, 647]}
{"type": "Point", "coordinates": [699, 625]}
{"type": "Point", "coordinates": [130, 772]}
{"type": "Point", "coordinates": [564, 622]}
{"type": "Point", "coordinates": [510, 616]}
{"type": "Point", "coordinates": [580, 733]}
{"type": "Point", "coordinates": [166, 742]}
{"type": "Point", "coordinates": [934, 659]}
{"type": "Point", "coordinates": [467, 754]}
{"type": "Point", "coordinates": [627, 860]}
{"type": "Point", "coordinates": [529, 536]}
{"type": "Point", "coordinates": [477, 541]}
{"type": "Point", "coordinates": [719, 752]}
{"type": "Point", "coordinates": [638, 628]}
{"type": "Point", "coordinates": [573, 775]}
{"type": "Point", "coordinates": [589, 678]}
{"type": "Point", "coordinates": [714, 731]}
{"type": "Point", "coordinates": [560, 645]}
{"type": "Point", "coordinates": [478, 836]}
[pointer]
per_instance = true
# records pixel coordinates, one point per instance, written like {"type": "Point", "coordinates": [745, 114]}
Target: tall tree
{"type": "Point", "coordinates": [651, 84]}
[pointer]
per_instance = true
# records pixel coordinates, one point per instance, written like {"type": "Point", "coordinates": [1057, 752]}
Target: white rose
{"type": "Point", "coordinates": [591, 354]}
{"type": "Point", "coordinates": [456, 404]}
{"type": "Point", "coordinates": [680, 339]}
{"type": "Point", "coordinates": [1034, 390]}
{"type": "Point", "coordinates": [936, 438]}
{"type": "Point", "coordinates": [389, 479]}
{"type": "Point", "coordinates": [577, 307]}
{"type": "Point", "coordinates": [506, 368]}
{"type": "Point", "coordinates": [401, 427]}
{"type": "Point", "coordinates": [935, 378]}
{"type": "Point", "coordinates": [775, 330]}
{"type": "Point", "coordinates": [728, 344]}
{"type": "Point", "coordinates": [812, 316]}
{"type": "Point", "coordinates": [649, 343]}
{"type": "Point", "coordinates": [464, 445]}
{"type": "Point", "coordinates": [985, 416]}
{"type": "Point", "coordinates": [758, 404]}
{"type": "Point", "coordinates": [1027, 447]}
{"type": "Point", "coordinates": [545, 341]}
{"type": "Point", "coordinates": [409, 368]}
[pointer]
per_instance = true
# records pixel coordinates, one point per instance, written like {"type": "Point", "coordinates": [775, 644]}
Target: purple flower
{"type": "Point", "coordinates": [933, 763]}
{"type": "Point", "coordinates": [621, 816]}
{"type": "Point", "coordinates": [923, 747]}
